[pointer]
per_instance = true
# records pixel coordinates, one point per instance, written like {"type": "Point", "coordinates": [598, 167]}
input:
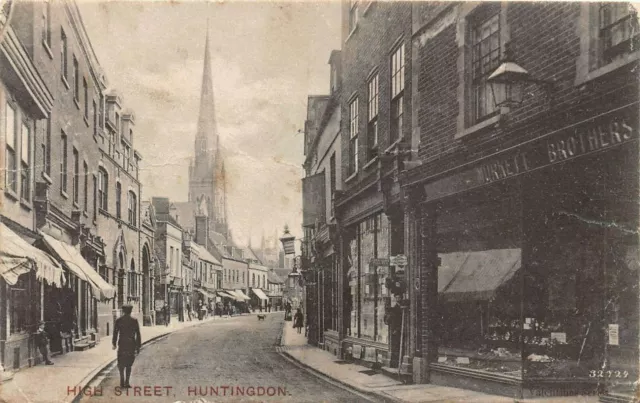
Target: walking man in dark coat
{"type": "Point", "coordinates": [126, 333]}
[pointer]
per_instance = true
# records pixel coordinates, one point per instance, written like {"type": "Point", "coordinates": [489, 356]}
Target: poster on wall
{"type": "Point", "coordinates": [614, 333]}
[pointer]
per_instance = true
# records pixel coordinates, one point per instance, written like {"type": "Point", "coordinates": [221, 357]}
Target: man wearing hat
{"type": "Point", "coordinates": [126, 333]}
{"type": "Point", "coordinates": [42, 341]}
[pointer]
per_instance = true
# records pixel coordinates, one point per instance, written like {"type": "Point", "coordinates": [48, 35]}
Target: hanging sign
{"type": "Point", "coordinates": [375, 262]}
{"type": "Point", "coordinates": [399, 260]}
{"type": "Point", "coordinates": [614, 334]}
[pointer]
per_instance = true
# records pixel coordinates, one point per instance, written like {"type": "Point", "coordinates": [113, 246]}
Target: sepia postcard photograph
{"type": "Point", "coordinates": [319, 201]}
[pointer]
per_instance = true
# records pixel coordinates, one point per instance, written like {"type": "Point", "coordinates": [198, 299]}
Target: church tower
{"type": "Point", "coordinates": [206, 171]}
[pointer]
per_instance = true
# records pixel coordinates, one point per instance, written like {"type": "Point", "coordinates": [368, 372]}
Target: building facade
{"type": "Point", "coordinates": [323, 179]}
{"type": "Point", "coordinates": [67, 160]}
{"type": "Point", "coordinates": [169, 287]}
{"type": "Point", "coordinates": [374, 324]}
{"type": "Point", "coordinates": [469, 234]}
{"type": "Point", "coordinates": [507, 197]}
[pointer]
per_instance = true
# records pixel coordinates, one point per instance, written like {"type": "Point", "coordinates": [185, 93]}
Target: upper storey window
{"type": "Point", "coordinates": [353, 15]}
{"type": "Point", "coordinates": [485, 58]}
{"type": "Point", "coordinates": [618, 26]}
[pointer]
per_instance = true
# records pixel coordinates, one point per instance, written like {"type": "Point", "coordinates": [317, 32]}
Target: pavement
{"type": "Point", "coordinates": [385, 388]}
{"type": "Point", "coordinates": [71, 371]}
{"type": "Point", "coordinates": [220, 357]}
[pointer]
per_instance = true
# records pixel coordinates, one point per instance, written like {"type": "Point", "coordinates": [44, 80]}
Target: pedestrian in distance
{"type": "Point", "coordinates": [42, 341]}
{"type": "Point", "coordinates": [298, 320]}
{"type": "Point", "coordinates": [126, 335]}
{"type": "Point", "coordinates": [189, 311]}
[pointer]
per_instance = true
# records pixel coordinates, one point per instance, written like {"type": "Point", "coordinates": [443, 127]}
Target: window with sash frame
{"type": "Point", "coordinates": [11, 167]}
{"type": "Point", "coordinates": [485, 58]}
{"type": "Point", "coordinates": [618, 30]}
{"type": "Point", "coordinates": [397, 94]}
{"type": "Point", "coordinates": [372, 125]}
{"type": "Point", "coordinates": [353, 136]}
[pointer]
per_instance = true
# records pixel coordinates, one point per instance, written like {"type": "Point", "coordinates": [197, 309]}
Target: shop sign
{"type": "Point", "coordinates": [614, 332]}
{"type": "Point", "coordinates": [589, 137]}
{"type": "Point", "coordinates": [559, 337]}
{"type": "Point", "coordinates": [399, 260]}
{"type": "Point", "coordinates": [376, 262]}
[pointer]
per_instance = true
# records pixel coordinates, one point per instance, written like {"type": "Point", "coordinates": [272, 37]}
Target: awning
{"type": "Point", "coordinates": [17, 257]}
{"type": "Point", "coordinates": [242, 295]}
{"type": "Point", "coordinates": [74, 261]}
{"type": "Point", "coordinates": [205, 293]}
{"type": "Point", "coordinates": [226, 295]}
{"type": "Point", "coordinates": [475, 276]}
{"type": "Point", "coordinates": [259, 293]}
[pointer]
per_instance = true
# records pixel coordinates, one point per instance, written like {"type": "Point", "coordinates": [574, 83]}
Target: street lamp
{"type": "Point", "coordinates": [508, 81]}
{"type": "Point", "coordinates": [288, 242]}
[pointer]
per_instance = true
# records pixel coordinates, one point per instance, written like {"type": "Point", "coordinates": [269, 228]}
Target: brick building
{"type": "Point", "coordinates": [375, 99]}
{"type": "Point", "coordinates": [520, 287]}
{"type": "Point", "coordinates": [490, 242]}
{"type": "Point", "coordinates": [79, 171]}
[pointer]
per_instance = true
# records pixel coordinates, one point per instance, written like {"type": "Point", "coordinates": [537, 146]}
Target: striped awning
{"type": "Point", "coordinates": [242, 295]}
{"type": "Point", "coordinates": [259, 293]}
{"type": "Point", "coordinates": [17, 257]}
{"type": "Point", "coordinates": [73, 260]}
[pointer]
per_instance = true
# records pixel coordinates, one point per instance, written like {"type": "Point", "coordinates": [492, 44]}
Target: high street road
{"type": "Point", "coordinates": [226, 360]}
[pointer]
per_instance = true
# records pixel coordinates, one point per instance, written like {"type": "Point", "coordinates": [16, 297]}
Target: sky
{"type": "Point", "coordinates": [267, 57]}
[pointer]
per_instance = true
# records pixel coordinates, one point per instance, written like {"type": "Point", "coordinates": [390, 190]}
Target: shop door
{"type": "Point", "coordinates": [83, 307]}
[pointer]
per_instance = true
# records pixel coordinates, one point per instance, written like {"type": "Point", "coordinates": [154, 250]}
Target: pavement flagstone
{"type": "Point", "coordinates": [295, 346]}
{"type": "Point", "coordinates": [62, 381]}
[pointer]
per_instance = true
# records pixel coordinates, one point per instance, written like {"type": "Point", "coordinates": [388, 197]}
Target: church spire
{"type": "Point", "coordinates": [207, 134]}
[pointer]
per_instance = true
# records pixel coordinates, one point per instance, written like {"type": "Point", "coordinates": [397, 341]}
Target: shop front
{"type": "Point", "coordinates": [535, 280]}
{"type": "Point", "coordinates": [74, 307]}
{"type": "Point", "coordinates": [369, 322]}
{"type": "Point", "coordinates": [25, 272]}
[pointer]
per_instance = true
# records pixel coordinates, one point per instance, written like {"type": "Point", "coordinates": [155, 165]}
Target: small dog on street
{"type": "Point", "coordinates": [261, 316]}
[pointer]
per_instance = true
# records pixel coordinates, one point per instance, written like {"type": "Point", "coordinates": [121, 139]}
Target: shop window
{"type": "Point", "coordinates": [25, 163]}
{"type": "Point", "coordinates": [10, 129]}
{"type": "Point", "coordinates": [479, 282]}
{"type": "Point", "coordinates": [23, 304]}
{"type": "Point", "coordinates": [353, 136]}
{"type": "Point", "coordinates": [397, 94]}
{"type": "Point", "coordinates": [372, 126]}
